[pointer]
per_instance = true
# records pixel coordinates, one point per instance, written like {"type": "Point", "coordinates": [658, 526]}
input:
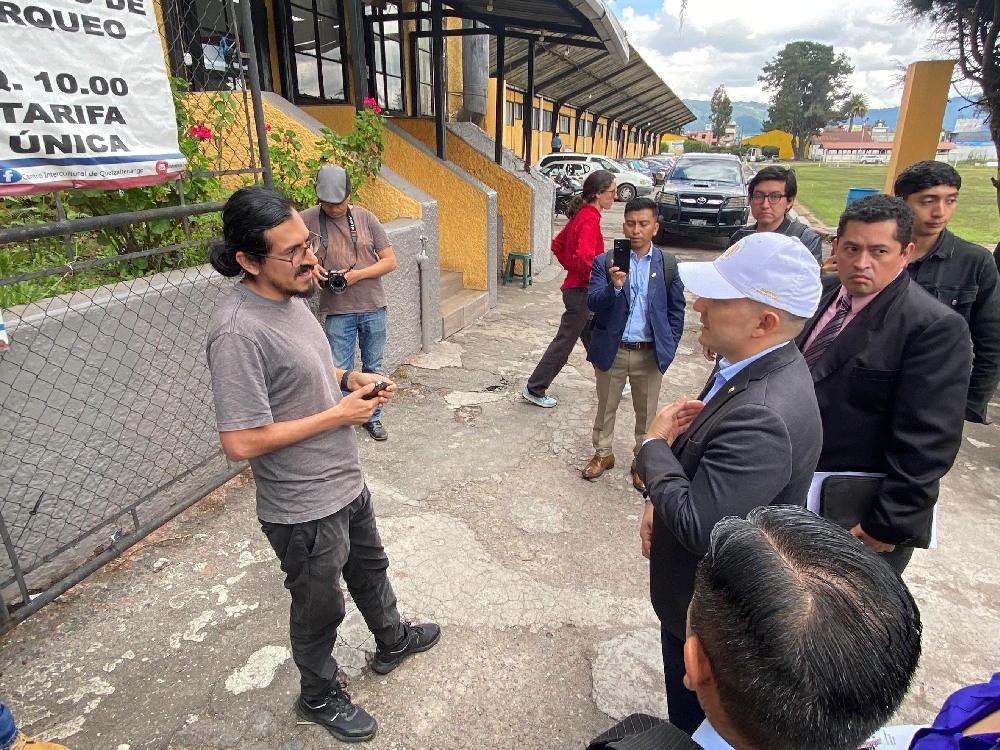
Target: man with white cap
{"type": "Point", "coordinates": [355, 251]}
{"type": "Point", "coordinates": [752, 438]}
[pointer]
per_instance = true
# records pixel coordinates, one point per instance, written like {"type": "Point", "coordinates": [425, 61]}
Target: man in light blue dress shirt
{"type": "Point", "coordinates": [638, 322]}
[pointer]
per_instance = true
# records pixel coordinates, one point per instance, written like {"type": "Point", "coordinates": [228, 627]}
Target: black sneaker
{"type": "Point", "coordinates": [340, 717]}
{"type": "Point", "coordinates": [376, 430]}
{"type": "Point", "coordinates": [418, 638]}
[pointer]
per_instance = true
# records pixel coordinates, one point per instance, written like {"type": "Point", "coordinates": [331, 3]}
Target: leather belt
{"type": "Point", "coordinates": [633, 345]}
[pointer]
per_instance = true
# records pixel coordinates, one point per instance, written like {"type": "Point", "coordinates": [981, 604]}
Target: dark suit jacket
{"type": "Point", "coordinates": [891, 389]}
{"type": "Point", "coordinates": [755, 443]}
{"type": "Point", "coordinates": [666, 313]}
{"type": "Point", "coordinates": [964, 277]}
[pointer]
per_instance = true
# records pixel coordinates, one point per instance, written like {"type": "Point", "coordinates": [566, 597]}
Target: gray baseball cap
{"type": "Point", "coordinates": [333, 184]}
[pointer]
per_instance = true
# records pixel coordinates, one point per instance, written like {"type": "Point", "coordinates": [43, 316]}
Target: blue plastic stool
{"type": "Point", "coordinates": [854, 194]}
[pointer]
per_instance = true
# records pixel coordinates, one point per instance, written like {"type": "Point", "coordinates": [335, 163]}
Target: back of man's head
{"type": "Point", "coordinates": [925, 175]}
{"type": "Point", "coordinates": [811, 639]}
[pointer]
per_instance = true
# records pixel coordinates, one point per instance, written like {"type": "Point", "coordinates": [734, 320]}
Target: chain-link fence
{"type": "Point", "coordinates": [108, 428]}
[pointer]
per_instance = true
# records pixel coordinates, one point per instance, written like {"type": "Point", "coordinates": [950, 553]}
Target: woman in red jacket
{"type": "Point", "coordinates": [575, 247]}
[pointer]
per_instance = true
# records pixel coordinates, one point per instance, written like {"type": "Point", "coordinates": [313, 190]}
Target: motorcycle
{"type": "Point", "coordinates": [567, 188]}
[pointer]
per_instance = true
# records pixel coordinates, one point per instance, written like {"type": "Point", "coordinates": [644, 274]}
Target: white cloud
{"type": "Point", "coordinates": [728, 42]}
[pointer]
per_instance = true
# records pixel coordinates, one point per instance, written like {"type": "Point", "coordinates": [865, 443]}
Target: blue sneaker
{"type": "Point", "coordinates": [546, 402]}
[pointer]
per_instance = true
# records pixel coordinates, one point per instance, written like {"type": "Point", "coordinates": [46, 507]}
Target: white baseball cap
{"type": "Point", "coordinates": [767, 267]}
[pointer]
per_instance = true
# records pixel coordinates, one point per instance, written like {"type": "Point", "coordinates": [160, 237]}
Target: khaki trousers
{"type": "Point", "coordinates": [639, 367]}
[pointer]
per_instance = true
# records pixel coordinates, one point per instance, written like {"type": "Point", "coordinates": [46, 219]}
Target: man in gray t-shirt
{"type": "Point", "coordinates": [281, 405]}
{"type": "Point", "coordinates": [353, 244]}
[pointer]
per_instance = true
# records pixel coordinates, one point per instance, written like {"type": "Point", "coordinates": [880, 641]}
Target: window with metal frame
{"type": "Point", "coordinates": [546, 120]}
{"type": "Point", "coordinates": [425, 68]}
{"type": "Point", "coordinates": [563, 123]}
{"type": "Point", "coordinates": [318, 39]}
{"type": "Point", "coordinates": [388, 53]}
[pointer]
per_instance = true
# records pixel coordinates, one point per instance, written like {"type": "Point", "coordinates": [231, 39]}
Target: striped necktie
{"type": "Point", "coordinates": [820, 344]}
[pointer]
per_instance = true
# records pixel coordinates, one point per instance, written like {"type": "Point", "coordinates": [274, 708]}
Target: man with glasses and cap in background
{"type": "Point", "coordinates": [772, 194]}
{"type": "Point", "coordinates": [355, 249]}
{"type": "Point", "coordinates": [752, 438]}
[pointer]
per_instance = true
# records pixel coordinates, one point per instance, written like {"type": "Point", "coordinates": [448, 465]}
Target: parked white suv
{"type": "Point", "coordinates": [630, 184]}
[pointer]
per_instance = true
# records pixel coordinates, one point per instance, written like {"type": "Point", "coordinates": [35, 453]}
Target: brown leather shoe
{"type": "Point", "coordinates": [26, 743]}
{"type": "Point", "coordinates": [636, 481]}
{"type": "Point", "coordinates": [597, 466]}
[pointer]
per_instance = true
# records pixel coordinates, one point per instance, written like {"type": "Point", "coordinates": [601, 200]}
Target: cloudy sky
{"type": "Point", "coordinates": [729, 41]}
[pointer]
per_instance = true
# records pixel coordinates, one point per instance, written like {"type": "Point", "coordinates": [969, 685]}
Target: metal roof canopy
{"type": "Point", "coordinates": [580, 20]}
{"type": "Point", "coordinates": [596, 82]}
{"type": "Point", "coordinates": [578, 43]}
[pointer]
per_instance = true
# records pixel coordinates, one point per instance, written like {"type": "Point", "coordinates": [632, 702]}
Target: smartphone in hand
{"type": "Point", "coordinates": [379, 387]}
{"type": "Point", "coordinates": [622, 254]}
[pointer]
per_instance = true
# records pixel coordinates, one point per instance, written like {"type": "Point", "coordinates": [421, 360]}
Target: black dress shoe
{"type": "Point", "coordinates": [376, 430]}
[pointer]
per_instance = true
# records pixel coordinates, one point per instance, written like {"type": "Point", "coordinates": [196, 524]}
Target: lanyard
{"type": "Point", "coordinates": [354, 233]}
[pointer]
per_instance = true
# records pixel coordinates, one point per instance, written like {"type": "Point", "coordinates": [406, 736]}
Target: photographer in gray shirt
{"type": "Point", "coordinates": [279, 405]}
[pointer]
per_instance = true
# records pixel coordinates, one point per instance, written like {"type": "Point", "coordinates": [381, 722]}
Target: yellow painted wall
{"type": "Point", "coordinates": [778, 138]}
{"type": "Point", "coordinates": [918, 129]}
{"type": "Point", "coordinates": [386, 201]}
{"type": "Point", "coordinates": [462, 208]}
{"type": "Point", "coordinates": [667, 138]}
{"type": "Point", "coordinates": [514, 199]}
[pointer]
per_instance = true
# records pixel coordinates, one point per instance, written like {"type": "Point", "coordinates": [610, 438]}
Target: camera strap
{"type": "Point", "coordinates": [324, 237]}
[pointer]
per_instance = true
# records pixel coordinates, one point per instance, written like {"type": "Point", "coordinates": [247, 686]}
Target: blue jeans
{"type": "Point", "coordinates": [365, 329]}
{"type": "Point", "coordinates": [8, 729]}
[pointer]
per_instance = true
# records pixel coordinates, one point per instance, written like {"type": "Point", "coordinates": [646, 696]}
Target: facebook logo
{"type": "Point", "coordinates": [9, 176]}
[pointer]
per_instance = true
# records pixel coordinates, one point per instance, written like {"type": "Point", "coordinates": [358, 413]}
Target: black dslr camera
{"type": "Point", "coordinates": [336, 282]}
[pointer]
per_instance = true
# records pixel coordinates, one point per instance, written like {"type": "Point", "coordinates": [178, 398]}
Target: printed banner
{"type": "Point", "coordinates": [84, 97]}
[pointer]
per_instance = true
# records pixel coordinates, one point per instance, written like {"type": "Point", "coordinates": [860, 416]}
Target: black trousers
{"type": "Point", "coordinates": [683, 708]}
{"type": "Point", "coordinates": [898, 559]}
{"type": "Point", "coordinates": [574, 324]}
{"type": "Point", "coordinates": [313, 556]}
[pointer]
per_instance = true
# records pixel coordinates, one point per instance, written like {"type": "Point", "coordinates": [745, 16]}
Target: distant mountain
{"type": "Point", "coordinates": [749, 115]}
{"type": "Point", "coordinates": [957, 108]}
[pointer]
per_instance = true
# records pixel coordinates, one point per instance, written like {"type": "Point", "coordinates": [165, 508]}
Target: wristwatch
{"type": "Point", "coordinates": [343, 380]}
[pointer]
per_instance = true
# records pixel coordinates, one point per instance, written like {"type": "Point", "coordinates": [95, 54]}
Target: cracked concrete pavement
{"type": "Point", "coordinates": [533, 572]}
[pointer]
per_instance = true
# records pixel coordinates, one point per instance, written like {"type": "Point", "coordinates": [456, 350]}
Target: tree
{"type": "Point", "coordinates": [970, 30]}
{"type": "Point", "coordinates": [855, 106]}
{"type": "Point", "coordinates": [808, 82]}
{"type": "Point", "coordinates": [692, 146]}
{"type": "Point", "coordinates": [722, 112]}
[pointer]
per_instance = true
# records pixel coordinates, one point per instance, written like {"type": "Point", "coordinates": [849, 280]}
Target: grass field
{"type": "Point", "coordinates": [823, 190]}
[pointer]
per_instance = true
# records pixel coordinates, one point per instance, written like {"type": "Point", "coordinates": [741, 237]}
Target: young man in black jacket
{"type": "Point", "coordinates": [960, 274]}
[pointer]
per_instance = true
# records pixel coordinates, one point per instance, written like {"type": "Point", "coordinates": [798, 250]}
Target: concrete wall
{"type": "Point", "coordinates": [541, 191]}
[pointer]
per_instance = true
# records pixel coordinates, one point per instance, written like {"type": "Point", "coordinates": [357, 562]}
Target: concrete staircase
{"type": "Point", "coordinates": [459, 306]}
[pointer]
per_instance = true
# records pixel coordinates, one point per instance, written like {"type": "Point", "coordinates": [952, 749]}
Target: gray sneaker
{"type": "Point", "coordinates": [546, 402]}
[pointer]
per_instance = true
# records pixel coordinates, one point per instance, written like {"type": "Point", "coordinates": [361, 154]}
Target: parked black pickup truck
{"type": "Point", "coordinates": [703, 194]}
